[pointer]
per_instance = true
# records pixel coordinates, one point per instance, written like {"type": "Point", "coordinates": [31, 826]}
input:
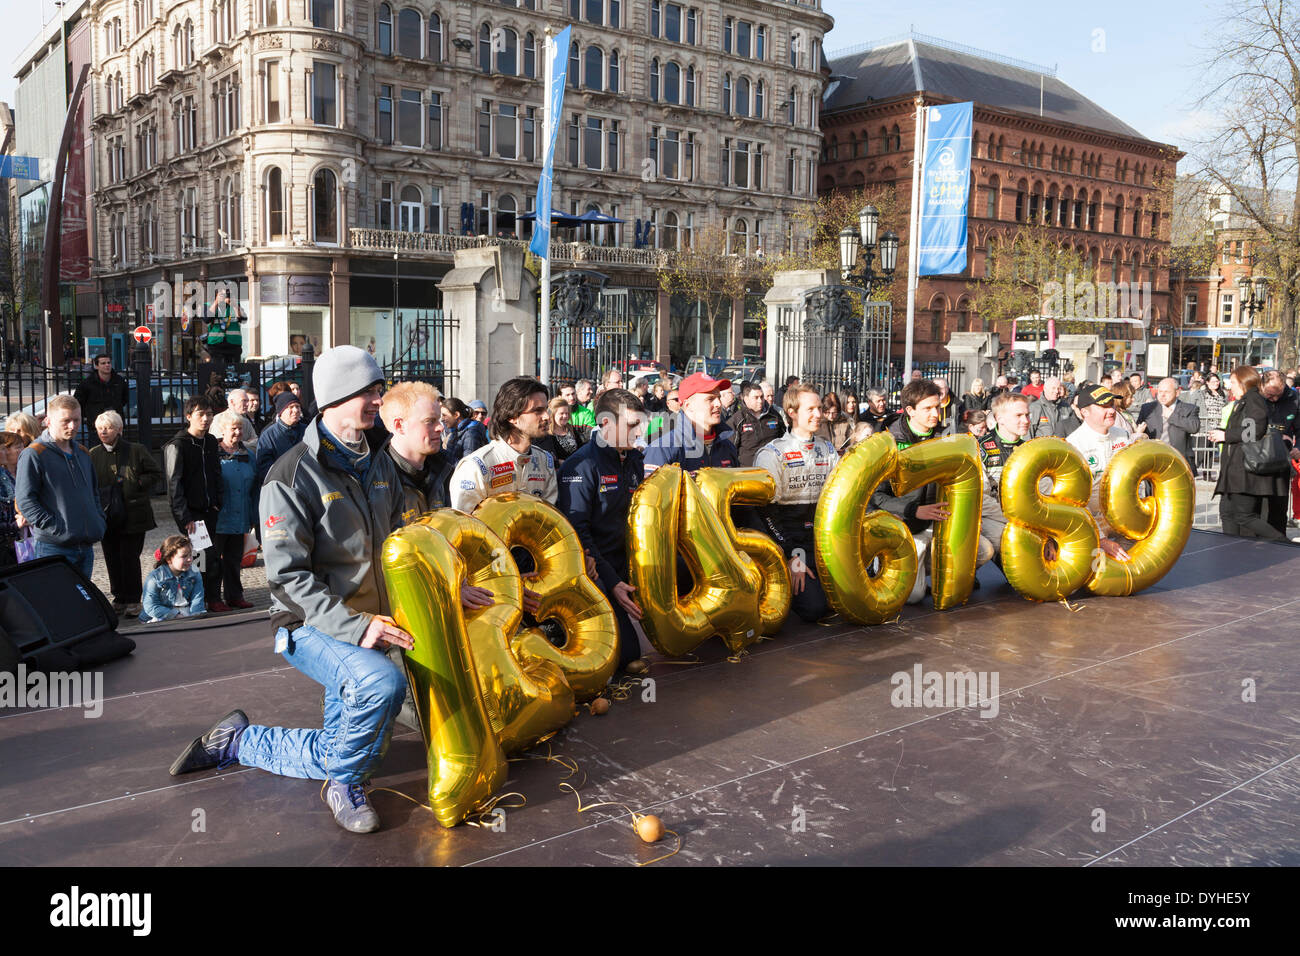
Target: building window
{"type": "Point", "coordinates": [726, 93]}
{"type": "Point", "coordinates": [530, 60]}
{"type": "Point", "coordinates": [269, 13]}
{"type": "Point", "coordinates": [506, 223]}
{"type": "Point", "coordinates": [384, 115]}
{"type": "Point", "coordinates": [271, 93]}
{"type": "Point", "coordinates": [594, 68]}
{"type": "Point", "coordinates": [410, 213]}
{"type": "Point", "coordinates": [792, 107]}
{"type": "Point", "coordinates": [435, 121]}
{"type": "Point", "coordinates": [507, 131]}
{"type": "Point", "coordinates": [324, 93]}
{"type": "Point", "coordinates": [275, 230]}
{"type": "Point", "coordinates": [485, 48]}
{"type": "Point", "coordinates": [408, 119]}
{"type": "Point", "coordinates": [433, 49]}
{"type": "Point", "coordinates": [690, 86]}
{"type": "Point", "coordinates": [1226, 302]}
{"type": "Point", "coordinates": [322, 14]}
{"type": "Point", "coordinates": [410, 26]}
{"type": "Point", "coordinates": [1190, 302]}
{"type": "Point", "coordinates": [613, 70]}
{"type": "Point", "coordinates": [742, 96]}
{"type": "Point", "coordinates": [325, 207]}
{"type": "Point", "coordinates": [435, 210]}
{"type": "Point", "coordinates": [991, 199]}
{"type": "Point", "coordinates": [384, 35]}
{"type": "Point", "coordinates": [672, 83]}
{"type": "Point", "coordinates": [385, 210]}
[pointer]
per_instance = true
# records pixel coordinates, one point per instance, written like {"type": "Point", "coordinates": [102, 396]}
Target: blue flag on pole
{"type": "Point", "coordinates": [541, 244]}
{"type": "Point", "coordinates": [945, 189]}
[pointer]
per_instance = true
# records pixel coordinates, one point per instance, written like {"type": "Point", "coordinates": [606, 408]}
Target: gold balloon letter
{"type": "Point", "coordinates": [466, 763]}
{"type": "Point", "coordinates": [723, 487]}
{"type": "Point", "coordinates": [954, 462]}
{"type": "Point", "coordinates": [1159, 525]}
{"type": "Point", "coordinates": [1033, 520]}
{"type": "Point", "coordinates": [590, 654]}
{"type": "Point", "coordinates": [849, 539]}
{"type": "Point", "coordinates": [668, 514]}
{"type": "Point", "coordinates": [526, 699]}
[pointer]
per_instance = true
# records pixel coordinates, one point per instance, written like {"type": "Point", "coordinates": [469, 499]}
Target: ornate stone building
{"type": "Point", "coordinates": [1042, 153]}
{"type": "Point", "coordinates": [331, 155]}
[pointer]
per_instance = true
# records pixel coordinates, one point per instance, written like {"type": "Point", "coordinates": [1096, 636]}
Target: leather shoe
{"type": "Point", "coordinates": [218, 607]}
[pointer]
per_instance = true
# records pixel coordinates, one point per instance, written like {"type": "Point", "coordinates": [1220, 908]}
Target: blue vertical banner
{"type": "Point", "coordinates": [541, 244]}
{"type": "Point", "coordinates": [945, 189]}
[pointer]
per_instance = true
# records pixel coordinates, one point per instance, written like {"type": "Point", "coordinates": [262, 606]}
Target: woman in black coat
{"type": "Point", "coordinates": [1244, 495]}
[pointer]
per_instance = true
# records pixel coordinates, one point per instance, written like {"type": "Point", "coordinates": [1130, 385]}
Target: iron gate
{"type": "Point", "coordinates": [426, 342]}
{"type": "Point", "coordinates": [591, 329]}
{"type": "Point", "coordinates": [836, 340]}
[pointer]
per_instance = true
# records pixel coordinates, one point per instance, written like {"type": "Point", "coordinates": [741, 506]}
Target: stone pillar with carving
{"type": "Point", "coordinates": [491, 300]}
{"type": "Point", "coordinates": [977, 354]}
{"type": "Point", "coordinates": [784, 303]}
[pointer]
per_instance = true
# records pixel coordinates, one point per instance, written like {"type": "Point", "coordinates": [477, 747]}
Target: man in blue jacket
{"type": "Point", "coordinates": [277, 438]}
{"type": "Point", "coordinates": [695, 437]}
{"type": "Point", "coordinates": [596, 485]}
{"type": "Point", "coordinates": [56, 491]}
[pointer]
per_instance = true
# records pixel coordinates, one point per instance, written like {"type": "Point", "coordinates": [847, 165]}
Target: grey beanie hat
{"type": "Point", "coordinates": [342, 372]}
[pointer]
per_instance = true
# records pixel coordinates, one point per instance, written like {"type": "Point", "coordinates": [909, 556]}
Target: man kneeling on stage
{"type": "Point", "coordinates": [327, 506]}
{"type": "Point", "coordinates": [800, 462]}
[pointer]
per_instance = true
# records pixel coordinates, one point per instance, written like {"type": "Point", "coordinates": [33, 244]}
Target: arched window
{"type": "Point", "coordinates": [410, 214]}
{"type": "Point", "coordinates": [573, 76]}
{"type": "Point", "coordinates": [593, 77]}
{"type": "Point", "coordinates": [613, 71]}
{"type": "Point", "coordinates": [530, 56]}
{"type": "Point", "coordinates": [740, 237]}
{"type": "Point", "coordinates": [485, 48]}
{"type": "Point", "coordinates": [508, 52]}
{"type": "Point", "coordinates": [235, 210]}
{"type": "Point", "coordinates": [672, 83]}
{"type": "Point", "coordinates": [991, 198]}
{"type": "Point", "coordinates": [690, 86]}
{"type": "Point", "coordinates": [274, 205]}
{"type": "Point", "coordinates": [410, 26]}
{"type": "Point", "coordinates": [325, 206]}
{"type": "Point", "coordinates": [385, 33]}
{"type": "Point", "coordinates": [742, 96]}
{"type": "Point", "coordinates": [792, 107]}
{"type": "Point", "coordinates": [189, 42]}
{"type": "Point", "coordinates": [270, 13]}
{"type": "Point", "coordinates": [668, 232]}
{"type": "Point", "coordinates": [760, 99]}
{"type": "Point", "coordinates": [726, 93]}
{"type": "Point", "coordinates": [507, 224]}
{"type": "Point", "coordinates": [433, 50]}
{"type": "Point", "coordinates": [654, 79]}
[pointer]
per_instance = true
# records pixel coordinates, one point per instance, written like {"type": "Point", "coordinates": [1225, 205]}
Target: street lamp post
{"type": "Point", "coordinates": [863, 241]}
{"type": "Point", "coordinates": [1254, 297]}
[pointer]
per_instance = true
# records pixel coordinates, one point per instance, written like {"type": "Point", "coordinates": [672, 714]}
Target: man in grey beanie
{"type": "Point", "coordinates": [326, 507]}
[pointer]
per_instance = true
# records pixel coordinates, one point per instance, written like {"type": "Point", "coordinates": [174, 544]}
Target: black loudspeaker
{"type": "Point", "coordinates": [52, 618]}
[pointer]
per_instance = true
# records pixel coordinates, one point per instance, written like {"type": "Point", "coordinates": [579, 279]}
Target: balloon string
{"type": "Point", "coordinates": [623, 689]}
{"type": "Point", "coordinates": [1072, 608]}
{"type": "Point", "coordinates": [737, 657]}
{"type": "Point", "coordinates": [632, 813]}
{"type": "Point", "coordinates": [478, 816]}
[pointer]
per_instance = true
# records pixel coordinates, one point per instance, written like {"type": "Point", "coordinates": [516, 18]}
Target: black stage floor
{"type": "Point", "coordinates": [1121, 738]}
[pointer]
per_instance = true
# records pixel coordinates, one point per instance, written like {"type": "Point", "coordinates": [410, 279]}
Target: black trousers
{"type": "Point", "coordinates": [810, 604]}
{"type": "Point", "coordinates": [122, 558]}
{"type": "Point", "coordinates": [1241, 515]}
{"type": "Point", "coordinates": [1275, 512]}
{"type": "Point", "coordinates": [211, 558]}
{"type": "Point", "coordinates": [230, 554]}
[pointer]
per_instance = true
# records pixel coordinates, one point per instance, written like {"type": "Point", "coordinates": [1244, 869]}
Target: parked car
{"type": "Point", "coordinates": [651, 377]}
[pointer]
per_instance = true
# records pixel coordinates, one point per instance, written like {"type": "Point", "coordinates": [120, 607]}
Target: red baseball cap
{"type": "Point", "coordinates": [700, 382]}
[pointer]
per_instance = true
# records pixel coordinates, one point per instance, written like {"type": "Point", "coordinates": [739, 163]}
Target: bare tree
{"type": "Point", "coordinates": [1253, 154]}
{"type": "Point", "coordinates": [709, 277]}
{"type": "Point", "coordinates": [1019, 275]}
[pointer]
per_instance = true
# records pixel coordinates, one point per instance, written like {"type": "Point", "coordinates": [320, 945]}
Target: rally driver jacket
{"type": "Point", "coordinates": [800, 468]}
{"type": "Point", "coordinates": [322, 538]}
{"type": "Point", "coordinates": [496, 469]}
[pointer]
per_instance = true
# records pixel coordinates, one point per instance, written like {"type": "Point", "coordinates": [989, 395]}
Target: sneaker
{"type": "Point", "coordinates": [352, 811]}
{"type": "Point", "coordinates": [218, 607]}
{"type": "Point", "coordinates": [241, 604]}
{"type": "Point", "coordinates": [133, 610]}
{"type": "Point", "coordinates": [219, 747]}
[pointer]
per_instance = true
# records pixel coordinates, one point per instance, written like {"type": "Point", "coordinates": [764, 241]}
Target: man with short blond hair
{"type": "Point", "coordinates": [56, 491]}
{"type": "Point", "coordinates": [412, 413]}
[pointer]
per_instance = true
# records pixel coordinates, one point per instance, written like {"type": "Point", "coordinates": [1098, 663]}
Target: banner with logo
{"type": "Point", "coordinates": [558, 58]}
{"type": "Point", "coordinates": [945, 189]}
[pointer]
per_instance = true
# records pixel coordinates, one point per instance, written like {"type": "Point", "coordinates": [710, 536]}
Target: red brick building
{"type": "Point", "coordinates": [1041, 152]}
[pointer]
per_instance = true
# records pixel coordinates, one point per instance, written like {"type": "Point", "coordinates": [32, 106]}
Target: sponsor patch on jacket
{"type": "Point", "coordinates": [793, 459]}
{"type": "Point", "coordinates": [482, 465]}
{"type": "Point", "coordinates": [331, 496]}
{"type": "Point", "coordinates": [466, 485]}
{"type": "Point", "coordinates": [609, 479]}
{"type": "Point", "coordinates": [572, 479]}
{"type": "Point", "coordinates": [500, 481]}
{"type": "Point", "coordinates": [747, 427]}
{"type": "Point", "coordinates": [273, 520]}
{"type": "Point", "coordinates": [536, 477]}
{"type": "Point", "coordinates": [505, 468]}
{"type": "Point", "coordinates": [771, 425]}
{"type": "Point", "coordinates": [380, 484]}
{"type": "Point", "coordinates": [725, 463]}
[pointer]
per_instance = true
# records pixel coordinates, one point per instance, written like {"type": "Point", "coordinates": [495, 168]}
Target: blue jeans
{"type": "Point", "coordinates": [363, 694]}
{"type": "Point", "coordinates": [80, 556]}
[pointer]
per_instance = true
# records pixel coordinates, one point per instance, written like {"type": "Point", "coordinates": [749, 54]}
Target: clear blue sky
{"type": "Point", "coordinates": [1147, 73]}
{"type": "Point", "coordinates": [1146, 76]}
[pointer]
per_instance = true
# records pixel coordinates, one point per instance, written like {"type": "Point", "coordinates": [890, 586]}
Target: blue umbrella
{"type": "Point", "coordinates": [598, 217]}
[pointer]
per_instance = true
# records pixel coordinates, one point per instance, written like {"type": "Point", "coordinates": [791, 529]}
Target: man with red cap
{"type": "Point", "coordinates": [695, 437]}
